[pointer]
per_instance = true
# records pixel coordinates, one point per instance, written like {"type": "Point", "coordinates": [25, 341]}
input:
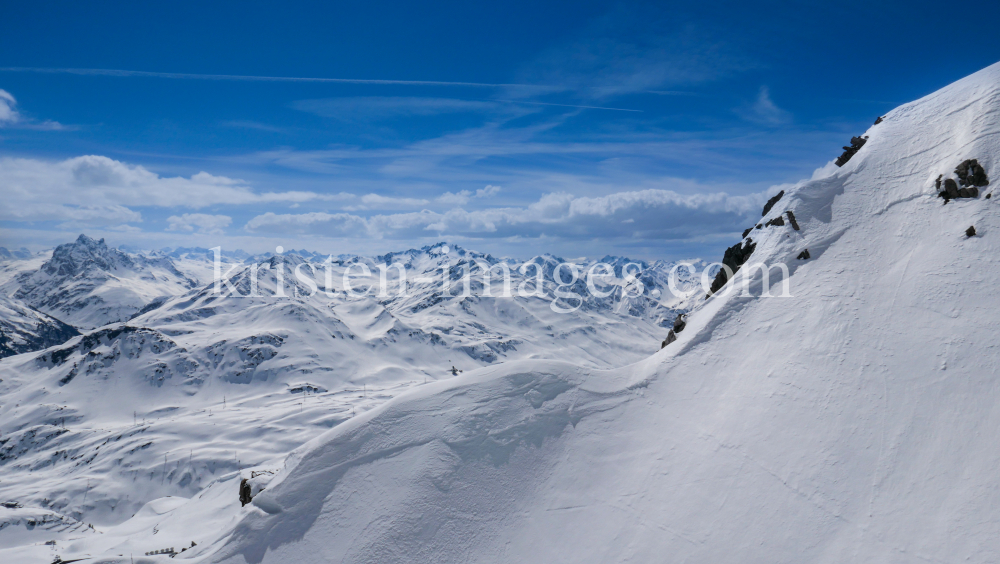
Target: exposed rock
{"type": "Point", "coordinates": [879, 120]}
{"type": "Point", "coordinates": [791, 219]}
{"type": "Point", "coordinates": [770, 203]}
{"type": "Point", "coordinates": [679, 323]}
{"type": "Point", "coordinates": [988, 196]}
{"type": "Point", "coordinates": [734, 258]}
{"type": "Point", "coordinates": [777, 221]}
{"type": "Point", "coordinates": [671, 337]}
{"type": "Point", "coordinates": [970, 232]}
{"type": "Point", "coordinates": [746, 232]}
{"type": "Point", "coordinates": [971, 173]}
{"type": "Point", "coordinates": [950, 188]}
{"type": "Point", "coordinates": [804, 255]}
{"type": "Point", "coordinates": [856, 144]}
{"type": "Point", "coordinates": [245, 496]}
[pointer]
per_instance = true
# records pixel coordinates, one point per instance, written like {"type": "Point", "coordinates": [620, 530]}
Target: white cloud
{"type": "Point", "coordinates": [201, 222]}
{"type": "Point", "coordinates": [459, 199]}
{"type": "Point", "coordinates": [8, 113]}
{"type": "Point", "coordinates": [462, 197]}
{"type": "Point", "coordinates": [654, 213]}
{"type": "Point", "coordinates": [488, 191]}
{"type": "Point", "coordinates": [765, 111]}
{"type": "Point", "coordinates": [100, 191]}
{"type": "Point", "coordinates": [379, 202]}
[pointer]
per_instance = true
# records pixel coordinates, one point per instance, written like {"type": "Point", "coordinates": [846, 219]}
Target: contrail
{"type": "Point", "coordinates": [252, 78]}
{"type": "Point", "coordinates": [568, 105]}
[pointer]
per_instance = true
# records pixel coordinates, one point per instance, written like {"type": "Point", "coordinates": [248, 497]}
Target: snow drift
{"type": "Point", "coordinates": [855, 421]}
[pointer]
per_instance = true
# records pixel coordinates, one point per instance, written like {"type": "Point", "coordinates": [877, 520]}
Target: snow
{"type": "Point", "coordinates": [194, 388]}
{"type": "Point", "coordinates": [854, 421]}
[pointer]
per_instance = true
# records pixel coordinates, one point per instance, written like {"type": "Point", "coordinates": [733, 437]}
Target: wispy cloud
{"type": "Point", "coordinates": [764, 111]}
{"type": "Point", "coordinates": [613, 57]}
{"type": "Point", "coordinates": [569, 105]}
{"type": "Point", "coordinates": [200, 222]}
{"type": "Point", "coordinates": [11, 117]}
{"type": "Point", "coordinates": [249, 124]}
{"type": "Point", "coordinates": [8, 113]}
{"type": "Point", "coordinates": [462, 197]}
{"type": "Point", "coordinates": [258, 78]}
{"type": "Point", "coordinates": [362, 108]}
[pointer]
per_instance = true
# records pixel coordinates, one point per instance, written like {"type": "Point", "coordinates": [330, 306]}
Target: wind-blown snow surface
{"type": "Point", "coordinates": [853, 422]}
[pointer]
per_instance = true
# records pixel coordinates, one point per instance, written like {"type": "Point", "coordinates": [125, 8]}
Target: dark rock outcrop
{"type": "Point", "coordinates": [856, 144]}
{"type": "Point", "coordinates": [245, 496]}
{"type": "Point", "coordinates": [770, 203]}
{"type": "Point", "coordinates": [970, 232]}
{"type": "Point", "coordinates": [679, 323]}
{"type": "Point", "coordinates": [971, 173]}
{"type": "Point", "coordinates": [879, 120]}
{"type": "Point", "coordinates": [804, 255]}
{"type": "Point", "coordinates": [777, 221]}
{"type": "Point", "coordinates": [671, 337]}
{"type": "Point", "coordinates": [950, 189]}
{"type": "Point", "coordinates": [791, 219]}
{"type": "Point", "coordinates": [733, 258]}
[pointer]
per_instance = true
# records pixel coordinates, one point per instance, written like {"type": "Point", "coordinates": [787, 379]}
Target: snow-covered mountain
{"type": "Point", "coordinates": [86, 284]}
{"type": "Point", "coordinates": [23, 329]}
{"type": "Point", "coordinates": [197, 386]}
{"type": "Point", "coordinates": [852, 421]}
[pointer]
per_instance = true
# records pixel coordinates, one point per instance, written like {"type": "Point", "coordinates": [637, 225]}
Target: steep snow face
{"type": "Point", "coordinates": [87, 285]}
{"type": "Point", "coordinates": [855, 421]}
{"type": "Point", "coordinates": [23, 329]}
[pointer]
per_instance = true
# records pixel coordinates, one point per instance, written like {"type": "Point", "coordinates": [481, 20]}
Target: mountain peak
{"type": "Point", "coordinates": [84, 253]}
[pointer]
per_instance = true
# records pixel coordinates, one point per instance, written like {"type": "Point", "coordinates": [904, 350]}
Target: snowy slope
{"type": "Point", "coordinates": [195, 388]}
{"type": "Point", "coordinates": [23, 329]}
{"type": "Point", "coordinates": [853, 422]}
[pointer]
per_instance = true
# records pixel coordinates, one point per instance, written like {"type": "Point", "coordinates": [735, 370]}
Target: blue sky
{"type": "Point", "coordinates": [654, 130]}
